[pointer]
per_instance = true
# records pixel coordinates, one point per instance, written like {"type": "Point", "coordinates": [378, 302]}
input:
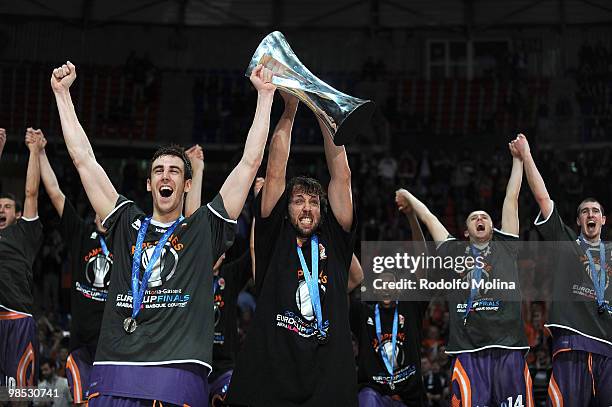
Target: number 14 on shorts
{"type": "Point", "coordinates": [513, 401]}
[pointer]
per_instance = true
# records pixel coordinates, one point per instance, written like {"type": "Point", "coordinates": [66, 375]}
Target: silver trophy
{"type": "Point", "coordinates": [344, 116]}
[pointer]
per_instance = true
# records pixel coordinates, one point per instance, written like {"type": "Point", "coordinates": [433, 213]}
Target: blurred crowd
{"type": "Point", "coordinates": [453, 179]}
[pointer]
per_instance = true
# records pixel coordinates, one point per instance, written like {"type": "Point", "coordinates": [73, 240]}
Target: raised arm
{"type": "Point", "coordinates": [99, 189]}
{"type": "Point", "coordinates": [418, 238]}
{"type": "Point", "coordinates": [194, 196]}
{"type": "Point", "coordinates": [536, 183]}
{"type": "Point", "coordinates": [236, 187]}
{"type": "Point", "coordinates": [2, 140]}
{"type": "Point", "coordinates": [50, 183]}
{"type": "Point", "coordinates": [278, 155]}
{"type": "Point", "coordinates": [510, 216]}
{"type": "Point", "coordinates": [355, 274]}
{"type": "Point", "coordinates": [436, 229]}
{"type": "Point", "coordinates": [339, 190]}
{"type": "Point", "coordinates": [259, 183]}
{"type": "Point", "coordinates": [30, 205]}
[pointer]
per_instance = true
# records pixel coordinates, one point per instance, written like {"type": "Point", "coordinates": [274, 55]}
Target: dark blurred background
{"type": "Point", "coordinates": [453, 80]}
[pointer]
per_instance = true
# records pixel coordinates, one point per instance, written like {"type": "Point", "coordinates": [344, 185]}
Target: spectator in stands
{"type": "Point", "coordinates": [58, 385]}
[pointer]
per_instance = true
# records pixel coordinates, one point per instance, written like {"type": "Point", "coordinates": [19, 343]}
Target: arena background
{"type": "Point", "coordinates": [454, 81]}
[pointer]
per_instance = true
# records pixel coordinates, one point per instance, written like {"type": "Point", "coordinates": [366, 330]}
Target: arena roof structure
{"type": "Point", "coordinates": [454, 15]}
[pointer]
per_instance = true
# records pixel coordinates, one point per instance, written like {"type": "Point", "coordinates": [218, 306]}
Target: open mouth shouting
{"type": "Point", "coordinates": [591, 226]}
{"type": "Point", "coordinates": [306, 221]}
{"type": "Point", "coordinates": [480, 227]}
{"type": "Point", "coordinates": [2, 221]}
{"type": "Point", "coordinates": [166, 191]}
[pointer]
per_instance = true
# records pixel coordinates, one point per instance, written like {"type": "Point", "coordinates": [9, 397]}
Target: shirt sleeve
{"type": "Point", "coordinates": [509, 240]}
{"type": "Point", "coordinates": [345, 240]}
{"type": "Point", "coordinates": [551, 228]}
{"type": "Point", "coordinates": [266, 234]}
{"type": "Point", "coordinates": [71, 226]}
{"type": "Point", "coordinates": [222, 227]}
{"type": "Point", "coordinates": [124, 211]}
{"type": "Point", "coordinates": [355, 315]}
{"type": "Point", "coordinates": [32, 231]}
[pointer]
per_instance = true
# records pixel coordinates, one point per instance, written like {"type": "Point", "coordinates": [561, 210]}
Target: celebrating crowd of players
{"type": "Point", "coordinates": [154, 306]}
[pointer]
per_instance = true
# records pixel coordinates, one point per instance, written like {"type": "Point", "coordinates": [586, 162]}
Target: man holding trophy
{"type": "Point", "coordinates": [298, 351]}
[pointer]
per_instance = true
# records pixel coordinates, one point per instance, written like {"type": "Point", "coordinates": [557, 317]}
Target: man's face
{"type": "Point", "coordinates": [479, 227]}
{"type": "Point", "coordinates": [167, 183]}
{"type": "Point", "coordinates": [8, 214]}
{"type": "Point", "coordinates": [46, 371]}
{"type": "Point", "coordinates": [590, 219]}
{"type": "Point", "coordinates": [304, 212]}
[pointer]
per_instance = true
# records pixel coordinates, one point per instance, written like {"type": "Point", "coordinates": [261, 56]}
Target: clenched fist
{"type": "Point", "coordinates": [196, 157]}
{"type": "Point", "coordinates": [62, 77]}
{"type": "Point", "coordinates": [261, 77]}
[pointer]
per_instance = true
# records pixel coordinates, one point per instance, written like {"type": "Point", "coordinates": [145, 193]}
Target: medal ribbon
{"type": "Point", "coordinates": [103, 246]}
{"type": "Point", "coordinates": [599, 281]}
{"type": "Point", "coordinates": [383, 354]}
{"type": "Point", "coordinates": [312, 280]}
{"type": "Point", "coordinates": [477, 275]}
{"type": "Point", "coordinates": [138, 287]}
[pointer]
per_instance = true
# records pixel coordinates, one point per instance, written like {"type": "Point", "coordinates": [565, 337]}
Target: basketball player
{"type": "Point", "coordinates": [20, 240]}
{"type": "Point", "coordinates": [581, 315]}
{"type": "Point", "coordinates": [91, 264]}
{"type": "Point", "coordinates": [157, 332]}
{"type": "Point", "coordinates": [487, 338]}
{"type": "Point", "coordinates": [389, 334]}
{"type": "Point", "coordinates": [298, 350]}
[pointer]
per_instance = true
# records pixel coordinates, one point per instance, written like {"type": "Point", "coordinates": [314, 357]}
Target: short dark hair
{"type": "Point", "coordinates": [8, 195]}
{"type": "Point", "coordinates": [175, 150]}
{"type": "Point", "coordinates": [309, 186]}
{"type": "Point", "coordinates": [48, 361]}
{"type": "Point", "coordinates": [589, 199]}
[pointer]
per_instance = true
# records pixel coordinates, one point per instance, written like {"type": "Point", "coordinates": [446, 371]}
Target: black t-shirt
{"type": "Point", "coordinates": [172, 325]}
{"type": "Point", "coordinates": [572, 280]}
{"type": "Point", "coordinates": [19, 244]}
{"type": "Point", "coordinates": [372, 371]}
{"type": "Point", "coordinates": [282, 363]}
{"type": "Point", "coordinates": [91, 271]}
{"type": "Point", "coordinates": [227, 286]}
{"type": "Point", "coordinates": [492, 323]}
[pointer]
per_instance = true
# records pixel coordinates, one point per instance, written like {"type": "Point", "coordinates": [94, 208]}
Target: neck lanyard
{"type": "Point", "coordinates": [599, 280]}
{"type": "Point", "coordinates": [139, 287]}
{"type": "Point", "coordinates": [103, 246]}
{"type": "Point", "coordinates": [388, 361]}
{"type": "Point", "coordinates": [312, 282]}
{"type": "Point", "coordinates": [476, 276]}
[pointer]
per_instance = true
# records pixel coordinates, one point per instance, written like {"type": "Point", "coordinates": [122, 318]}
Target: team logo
{"type": "Point", "coordinates": [484, 279]}
{"type": "Point", "coordinates": [322, 254]}
{"type": "Point", "coordinates": [400, 319]}
{"type": "Point", "coordinates": [370, 321]}
{"type": "Point", "coordinates": [164, 268]}
{"type": "Point", "coordinates": [387, 348]}
{"type": "Point", "coordinates": [302, 299]}
{"type": "Point", "coordinates": [97, 271]}
{"type": "Point", "coordinates": [587, 268]}
{"type": "Point", "coordinates": [136, 224]}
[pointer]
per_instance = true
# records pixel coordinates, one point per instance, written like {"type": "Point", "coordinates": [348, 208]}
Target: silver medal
{"type": "Point", "coordinates": [129, 324]}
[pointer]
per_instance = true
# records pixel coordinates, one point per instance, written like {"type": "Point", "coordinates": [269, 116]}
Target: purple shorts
{"type": "Point", "coordinates": [181, 384]}
{"type": "Point", "coordinates": [491, 377]}
{"type": "Point", "coordinates": [18, 350]}
{"type": "Point", "coordinates": [369, 397]}
{"type": "Point", "coordinates": [78, 368]}
{"type": "Point", "coordinates": [580, 378]}
{"type": "Point", "coordinates": [113, 401]}
{"type": "Point", "coordinates": [218, 388]}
